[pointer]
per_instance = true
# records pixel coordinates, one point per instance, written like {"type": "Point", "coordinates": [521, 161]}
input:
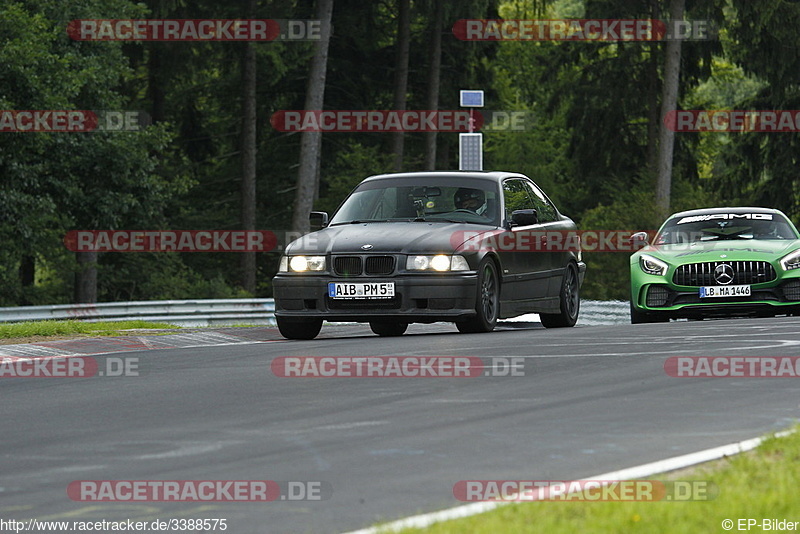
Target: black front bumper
{"type": "Point", "coordinates": [782, 298]}
{"type": "Point", "coordinates": [418, 298]}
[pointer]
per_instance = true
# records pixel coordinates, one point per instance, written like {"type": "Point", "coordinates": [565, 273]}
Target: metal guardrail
{"type": "Point", "coordinates": [222, 312]}
{"type": "Point", "coordinates": [604, 312]}
{"type": "Point", "coordinates": [204, 312]}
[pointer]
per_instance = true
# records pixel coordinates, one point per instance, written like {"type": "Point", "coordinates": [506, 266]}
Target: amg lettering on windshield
{"type": "Point", "coordinates": [727, 216]}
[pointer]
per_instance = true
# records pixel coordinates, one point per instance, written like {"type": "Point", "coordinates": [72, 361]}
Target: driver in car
{"type": "Point", "coordinates": [473, 200]}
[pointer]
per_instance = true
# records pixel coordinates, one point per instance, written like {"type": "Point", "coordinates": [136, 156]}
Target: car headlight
{"type": "Point", "coordinates": [439, 262]}
{"type": "Point", "coordinates": [652, 265]}
{"type": "Point", "coordinates": [302, 264]}
{"type": "Point", "coordinates": [791, 261]}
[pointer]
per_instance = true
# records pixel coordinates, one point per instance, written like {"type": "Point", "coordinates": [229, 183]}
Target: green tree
{"type": "Point", "coordinates": [55, 182]}
{"type": "Point", "coordinates": [762, 168]}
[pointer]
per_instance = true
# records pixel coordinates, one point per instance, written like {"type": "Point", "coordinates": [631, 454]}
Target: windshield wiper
{"type": "Point", "coordinates": [432, 219]}
{"type": "Point", "coordinates": [359, 221]}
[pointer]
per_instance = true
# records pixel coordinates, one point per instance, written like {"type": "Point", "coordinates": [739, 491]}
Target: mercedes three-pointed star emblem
{"type": "Point", "coordinates": [723, 274]}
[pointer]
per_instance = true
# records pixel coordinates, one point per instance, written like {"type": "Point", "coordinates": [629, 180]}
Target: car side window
{"type": "Point", "coordinates": [544, 208]}
{"type": "Point", "coordinates": [516, 196]}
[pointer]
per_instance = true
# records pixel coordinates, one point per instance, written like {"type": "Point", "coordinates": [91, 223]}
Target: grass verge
{"type": "Point", "coordinates": [757, 485]}
{"type": "Point", "coordinates": [50, 329]}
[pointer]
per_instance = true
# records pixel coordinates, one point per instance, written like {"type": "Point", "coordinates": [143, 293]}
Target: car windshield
{"type": "Point", "coordinates": [725, 226]}
{"type": "Point", "coordinates": [422, 199]}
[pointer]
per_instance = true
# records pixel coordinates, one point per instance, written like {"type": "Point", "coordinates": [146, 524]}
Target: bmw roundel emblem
{"type": "Point", "coordinates": [366, 247]}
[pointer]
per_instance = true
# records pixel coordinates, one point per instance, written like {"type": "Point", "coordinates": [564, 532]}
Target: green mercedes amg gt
{"type": "Point", "coordinates": [717, 262]}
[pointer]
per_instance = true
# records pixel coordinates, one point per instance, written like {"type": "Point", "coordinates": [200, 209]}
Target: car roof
{"type": "Point", "coordinates": [490, 175]}
{"type": "Point", "coordinates": [739, 209]}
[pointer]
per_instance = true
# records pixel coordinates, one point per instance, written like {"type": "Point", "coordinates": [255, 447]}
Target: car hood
{"type": "Point", "coordinates": [733, 250]}
{"type": "Point", "coordinates": [388, 237]}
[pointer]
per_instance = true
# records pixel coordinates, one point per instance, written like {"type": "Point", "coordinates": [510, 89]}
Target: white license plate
{"type": "Point", "coordinates": [361, 290]}
{"type": "Point", "coordinates": [724, 291]}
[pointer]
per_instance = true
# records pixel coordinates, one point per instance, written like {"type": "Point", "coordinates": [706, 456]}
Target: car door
{"type": "Point", "coordinates": [556, 255]}
{"type": "Point", "coordinates": [529, 268]}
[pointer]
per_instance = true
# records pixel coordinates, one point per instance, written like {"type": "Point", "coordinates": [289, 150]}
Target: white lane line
{"type": "Point", "coordinates": [490, 352]}
{"type": "Point", "coordinates": [348, 426]}
{"type": "Point", "coordinates": [676, 352]}
{"type": "Point", "coordinates": [641, 471]}
{"type": "Point", "coordinates": [188, 450]}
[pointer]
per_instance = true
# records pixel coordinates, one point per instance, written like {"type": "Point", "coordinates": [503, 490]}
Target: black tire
{"type": "Point", "coordinates": [388, 329]}
{"type": "Point", "coordinates": [638, 317]}
{"type": "Point", "coordinates": [299, 328]}
{"type": "Point", "coordinates": [487, 301]}
{"type": "Point", "coordinates": [569, 300]}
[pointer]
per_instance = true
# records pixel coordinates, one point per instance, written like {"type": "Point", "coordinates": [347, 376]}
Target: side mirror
{"type": "Point", "coordinates": [318, 219]}
{"type": "Point", "coordinates": [524, 217]}
{"type": "Point", "coordinates": [639, 240]}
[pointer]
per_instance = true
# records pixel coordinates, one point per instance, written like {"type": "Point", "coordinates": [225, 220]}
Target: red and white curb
{"type": "Point", "coordinates": [70, 348]}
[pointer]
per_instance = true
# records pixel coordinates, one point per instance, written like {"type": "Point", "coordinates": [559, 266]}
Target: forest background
{"type": "Point", "coordinates": [211, 159]}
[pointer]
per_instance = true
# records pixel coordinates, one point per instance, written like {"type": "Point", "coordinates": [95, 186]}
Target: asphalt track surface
{"type": "Point", "coordinates": [591, 400]}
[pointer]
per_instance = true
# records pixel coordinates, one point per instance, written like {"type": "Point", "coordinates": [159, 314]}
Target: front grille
{"type": "Point", "coordinates": [657, 296]}
{"type": "Point", "coordinates": [363, 265]}
{"type": "Point", "coordinates": [744, 272]}
{"type": "Point", "coordinates": [379, 265]}
{"type": "Point", "coordinates": [755, 296]}
{"type": "Point", "coordinates": [791, 290]}
{"type": "Point", "coordinates": [347, 265]}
